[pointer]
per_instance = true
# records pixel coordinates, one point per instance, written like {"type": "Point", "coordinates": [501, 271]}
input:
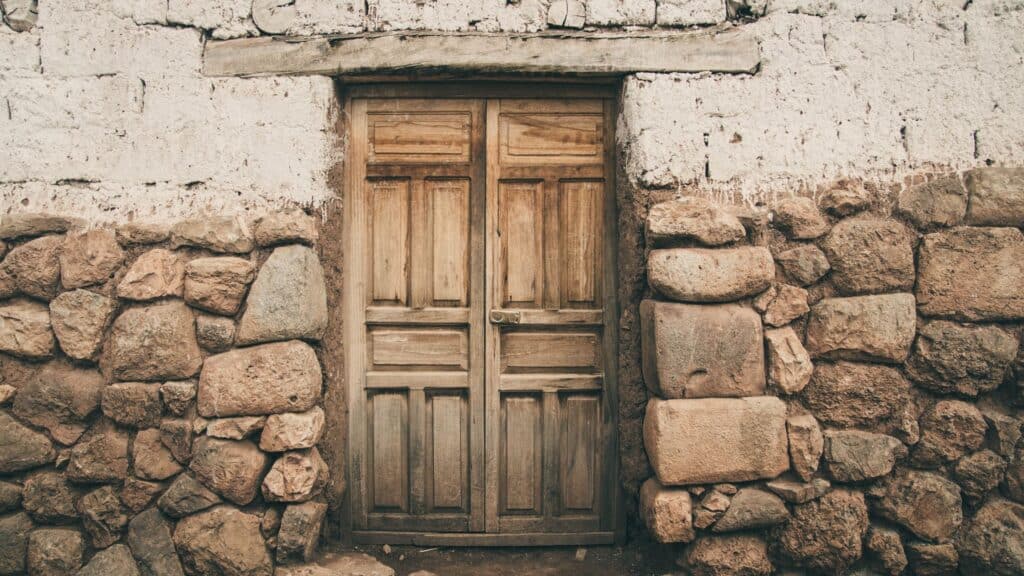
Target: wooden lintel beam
{"type": "Point", "coordinates": [588, 54]}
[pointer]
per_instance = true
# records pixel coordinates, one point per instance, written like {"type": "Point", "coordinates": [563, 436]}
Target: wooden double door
{"type": "Point", "coordinates": [480, 319]}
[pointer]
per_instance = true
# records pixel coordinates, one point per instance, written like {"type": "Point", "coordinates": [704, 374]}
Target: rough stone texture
{"type": "Point", "coordinates": [103, 516]}
{"type": "Point", "coordinates": [949, 429]}
{"type": "Point", "coordinates": [734, 554]}
{"type": "Point", "coordinates": [799, 492]}
{"type": "Point", "coordinates": [346, 563]}
{"type": "Point", "coordinates": [54, 552]}
{"type": "Point", "coordinates": [707, 275]}
{"type": "Point", "coordinates": [789, 364]}
{"type": "Point", "coordinates": [286, 227]}
{"type": "Point", "coordinates": [218, 285]}
{"type": "Point", "coordinates": [27, 224]}
{"type": "Point", "coordinates": [155, 274]}
{"type": "Point", "coordinates": [100, 456]}
{"type": "Point", "coordinates": [151, 459]}
{"type": "Point", "coordinates": [186, 496]}
{"type": "Point", "coordinates": [49, 499]}
{"type": "Point", "coordinates": [288, 299]}
{"type": "Point", "coordinates": [154, 342]}
{"type": "Point", "coordinates": [805, 264]}
{"type": "Point", "coordinates": [143, 232]}
{"type": "Point", "coordinates": [267, 379]}
{"type": "Point", "coordinates": [871, 256]}
{"type": "Point", "coordinates": [993, 541]}
{"type": "Point", "coordinates": [34, 267]}
{"type": "Point", "coordinates": [114, 561]}
{"type": "Point", "coordinates": [979, 473]}
{"type": "Point", "coordinates": [300, 531]}
{"type": "Point", "coordinates": [712, 440]}
{"type": "Point", "coordinates": [295, 477]}
{"type": "Point", "coordinates": [886, 549]}
{"type": "Point", "coordinates": [690, 12]}
{"type": "Point", "coordinates": [825, 535]}
{"type": "Point", "coordinates": [712, 505]}
{"type": "Point", "coordinates": [149, 536]}
{"type": "Point", "coordinates": [215, 233]}
{"type": "Point", "coordinates": [25, 329]}
{"type": "Point", "coordinates": [939, 203]}
{"type": "Point", "coordinates": [223, 540]}
{"type": "Point", "coordinates": [1003, 432]}
{"type": "Point", "coordinates": [10, 496]}
{"type": "Point", "coordinates": [176, 434]}
{"type": "Point", "coordinates": [22, 448]}
{"type": "Point", "coordinates": [60, 398]}
{"type": "Point", "coordinates": [855, 456]}
{"type": "Point", "coordinates": [89, 258]}
{"type": "Point", "coordinates": [292, 431]}
{"type": "Point", "coordinates": [135, 404]}
{"type": "Point", "coordinates": [950, 358]}
{"type": "Point", "coordinates": [752, 508]}
{"type": "Point", "coordinates": [806, 444]}
{"type": "Point", "coordinates": [693, 351]}
{"type": "Point", "coordinates": [922, 502]}
{"type": "Point", "coordinates": [14, 531]}
{"type": "Point", "coordinates": [137, 494]}
{"type": "Point", "coordinates": [841, 202]}
{"type": "Point", "coordinates": [932, 559]}
{"type": "Point", "coordinates": [972, 274]}
{"type": "Point", "coordinates": [7, 393]}
{"type": "Point", "coordinates": [799, 218]}
{"type": "Point", "coordinates": [783, 304]}
{"type": "Point", "coordinates": [178, 396]}
{"type": "Point", "coordinates": [620, 13]}
{"type": "Point", "coordinates": [692, 220]}
{"type": "Point", "coordinates": [239, 428]}
{"type": "Point", "coordinates": [232, 469]}
{"type": "Point", "coordinates": [996, 196]}
{"type": "Point", "coordinates": [215, 333]}
{"type": "Point", "coordinates": [863, 327]}
{"type": "Point", "coordinates": [852, 395]}
{"type": "Point", "coordinates": [79, 319]}
{"type": "Point", "coordinates": [667, 512]}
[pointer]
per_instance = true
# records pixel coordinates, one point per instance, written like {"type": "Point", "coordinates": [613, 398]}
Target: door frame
{"type": "Point", "coordinates": [352, 329]}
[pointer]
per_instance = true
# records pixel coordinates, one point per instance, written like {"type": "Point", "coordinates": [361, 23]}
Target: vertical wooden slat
{"type": "Point", "coordinates": [421, 247]}
{"type": "Point", "coordinates": [580, 221]}
{"type": "Point", "coordinates": [494, 290]}
{"type": "Point", "coordinates": [552, 457]}
{"type": "Point", "coordinates": [552, 248]}
{"type": "Point", "coordinates": [450, 215]}
{"type": "Point", "coordinates": [475, 443]}
{"type": "Point", "coordinates": [389, 204]}
{"type": "Point", "coordinates": [417, 452]}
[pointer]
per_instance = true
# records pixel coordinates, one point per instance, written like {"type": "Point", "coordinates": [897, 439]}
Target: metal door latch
{"type": "Point", "coordinates": [504, 318]}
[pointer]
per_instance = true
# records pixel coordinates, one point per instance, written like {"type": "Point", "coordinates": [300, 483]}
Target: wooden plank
{"type": "Point", "coordinates": [389, 423]}
{"type": "Point", "coordinates": [558, 317]}
{"type": "Point", "coordinates": [581, 236]}
{"type": "Point", "coordinates": [550, 382]}
{"type": "Point", "coordinates": [552, 350]}
{"type": "Point", "coordinates": [592, 538]}
{"type": "Point", "coordinates": [521, 231]}
{"type": "Point", "coordinates": [418, 465]}
{"type": "Point", "coordinates": [416, 380]}
{"type": "Point", "coordinates": [428, 137]}
{"type": "Point", "coordinates": [612, 53]}
{"type": "Point", "coordinates": [478, 328]}
{"type": "Point", "coordinates": [580, 452]}
{"type": "Point", "coordinates": [401, 315]}
{"type": "Point", "coordinates": [441, 348]}
{"type": "Point", "coordinates": [421, 249]}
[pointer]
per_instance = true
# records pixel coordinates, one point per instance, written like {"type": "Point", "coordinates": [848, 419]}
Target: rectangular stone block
{"type": "Point", "coordinates": [710, 275]}
{"type": "Point", "coordinates": [667, 512]}
{"type": "Point", "coordinates": [708, 440]}
{"type": "Point", "coordinates": [877, 327]}
{"type": "Point", "coordinates": [699, 351]}
{"type": "Point", "coordinates": [690, 12]}
{"type": "Point", "coordinates": [996, 196]}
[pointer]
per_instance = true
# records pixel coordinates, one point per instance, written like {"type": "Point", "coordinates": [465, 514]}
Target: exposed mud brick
{"type": "Point", "coordinates": [114, 561]}
{"type": "Point", "coordinates": [137, 494]}
{"type": "Point", "coordinates": [79, 320]}
{"type": "Point", "coordinates": [155, 274]}
{"type": "Point", "coordinates": [949, 429]}
{"type": "Point", "coordinates": [782, 304]}
{"type": "Point", "coordinates": [25, 329]}
{"type": "Point", "coordinates": [979, 473]}
{"type": "Point", "coordinates": [619, 13]}
{"type": "Point", "coordinates": [842, 202]}
{"type": "Point", "coordinates": [886, 550]}
{"type": "Point", "coordinates": [49, 499]}
{"type": "Point", "coordinates": [855, 456]}
{"type": "Point", "coordinates": [135, 404]}
{"type": "Point", "coordinates": [806, 444]}
{"type": "Point", "coordinates": [295, 477]}
{"type": "Point", "coordinates": [690, 12]}
{"type": "Point", "coordinates": [692, 220]}
{"type": "Point", "coordinates": [805, 264]}
{"type": "Point", "coordinates": [152, 460]}
{"type": "Point", "coordinates": [103, 516]}
{"type": "Point", "coordinates": [23, 225]}
{"type": "Point", "coordinates": [697, 351]}
{"type": "Point", "coordinates": [799, 219]}
{"type": "Point", "coordinates": [216, 233]}
{"type": "Point", "coordinates": [100, 456]}
{"type": "Point", "coordinates": [215, 333]}
{"type": "Point", "coordinates": [236, 428]}
{"type": "Point", "coordinates": [186, 496]}
{"type": "Point", "coordinates": [22, 448]}
{"type": "Point", "coordinates": [14, 530]}
{"type": "Point", "coordinates": [176, 435]}
{"type": "Point", "coordinates": [288, 299]}
{"type": "Point", "coordinates": [972, 274]}
{"type": "Point", "coordinates": [697, 441]}
{"type": "Point", "coordinates": [667, 512]}
{"type": "Point", "coordinates": [154, 342]}
{"type": "Point", "coordinates": [218, 284]}
{"type": "Point", "coordinates": [949, 358]}
{"type": "Point", "coordinates": [799, 492]}
{"type": "Point", "coordinates": [149, 536]}
{"type": "Point", "coordinates": [60, 398]}
{"type": "Point", "coordinates": [223, 540]}
{"type": "Point", "coordinates": [853, 395]}
{"type": "Point", "coordinates": [89, 258]}
{"type": "Point", "coordinates": [292, 431]}
{"type": "Point", "coordinates": [10, 496]}
{"type": "Point", "coordinates": [789, 364]}
{"type": "Point", "coordinates": [932, 559]}
{"type": "Point", "coordinates": [939, 203]}
{"type": "Point", "coordinates": [230, 468]}
{"type": "Point", "coordinates": [54, 552]}
{"type": "Point", "coordinates": [300, 531]}
{"type": "Point", "coordinates": [285, 228]}
{"type": "Point", "coordinates": [924, 503]}
{"type": "Point", "coordinates": [143, 232]}
{"type": "Point", "coordinates": [863, 327]}
{"type": "Point", "coordinates": [34, 267]}
{"type": "Point", "coordinates": [710, 275]}
{"type": "Point", "coordinates": [724, 555]}
{"type": "Point", "coordinates": [177, 396]}
{"type": "Point", "coordinates": [993, 541]}
{"type": "Point", "coordinates": [871, 256]}
{"type": "Point", "coordinates": [267, 379]}
{"type": "Point", "coordinates": [752, 508]}
{"type": "Point", "coordinates": [825, 535]}
{"type": "Point", "coordinates": [997, 196]}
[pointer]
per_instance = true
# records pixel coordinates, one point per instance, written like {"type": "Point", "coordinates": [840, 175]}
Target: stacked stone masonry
{"type": "Point", "coordinates": [161, 399]}
{"type": "Point", "coordinates": [836, 386]}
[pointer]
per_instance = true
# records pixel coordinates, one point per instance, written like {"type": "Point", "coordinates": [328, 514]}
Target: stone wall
{"type": "Point", "coordinates": [160, 396]}
{"type": "Point", "coordinates": [836, 387]}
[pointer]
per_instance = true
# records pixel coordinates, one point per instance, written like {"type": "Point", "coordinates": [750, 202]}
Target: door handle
{"type": "Point", "coordinates": [504, 318]}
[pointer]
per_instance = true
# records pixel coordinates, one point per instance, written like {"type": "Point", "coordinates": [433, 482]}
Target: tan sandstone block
{"type": "Point", "coordinates": [267, 379]}
{"type": "Point", "coordinates": [863, 327]}
{"type": "Point", "coordinates": [708, 275]}
{"type": "Point", "coordinates": [667, 512]}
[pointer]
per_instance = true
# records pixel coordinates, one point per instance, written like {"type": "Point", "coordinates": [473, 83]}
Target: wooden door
{"type": "Point", "coordinates": [479, 308]}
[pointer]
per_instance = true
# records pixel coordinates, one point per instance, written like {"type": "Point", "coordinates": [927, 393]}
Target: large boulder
{"type": "Point", "coordinates": [949, 430]}
{"type": "Point", "coordinates": [34, 267]}
{"type": "Point", "coordinates": [149, 536]}
{"type": "Point", "coordinates": [752, 508]}
{"type": "Point", "coordinates": [292, 431]}
{"type": "Point", "coordinates": [135, 404]}
{"type": "Point", "coordinates": [14, 530]}
{"type": "Point", "coordinates": [922, 502]}
{"type": "Point", "coordinates": [996, 196]}
{"type": "Point", "coordinates": [114, 561]}
{"type": "Point", "coordinates": [155, 274]}
{"type": "Point", "coordinates": [805, 264]}
{"type": "Point", "coordinates": [852, 395]}
{"type": "Point", "coordinates": [871, 256]}
{"type": "Point", "coordinates": [79, 320]}
{"type": "Point", "coordinates": [25, 329]}
{"type": "Point", "coordinates": [855, 456]}
{"type": "Point", "coordinates": [941, 202]}
{"type": "Point", "coordinates": [950, 358]}
{"type": "Point", "coordinates": [218, 285]}
{"type": "Point", "coordinates": [156, 342]}
{"type": "Point", "coordinates": [692, 220]}
{"type": "Point", "coordinates": [972, 274]}
{"type": "Point", "coordinates": [877, 327]}
{"type": "Point", "coordinates": [89, 258]}
{"type": "Point", "coordinates": [49, 498]}
{"type": "Point", "coordinates": [267, 379]}
{"type": "Point", "coordinates": [186, 496]}
{"type": "Point", "coordinates": [731, 555]}
{"type": "Point", "coordinates": [103, 516]}
{"type": "Point", "coordinates": [22, 448]}
{"type": "Point", "coordinates": [300, 531]}
{"type": "Point", "coordinates": [706, 440]}
{"type": "Point", "coordinates": [230, 468]}
{"type": "Point", "coordinates": [708, 275]}
{"type": "Point", "coordinates": [228, 234]}
{"type": "Point", "coordinates": [223, 540]}
{"type": "Point", "coordinates": [825, 535]}
{"type": "Point", "coordinates": [288, 299]}
{"type": "Point", "coordinates": [55, 552]}
{"type": "Point", "coordinates": [667, 512]}
{"type": "Point", "coordinates": [697, 351]}
{"type": "Point", "coordinates": [296, 476]}
{"type": "Point", "coordinates": [789, 365]}
{"type": "Point", "coordinates": [992, 543]}
{"type": "Point", "coordinates": [100, 456]}
{"type": "Point", "coordinates": [60, 398]}
{"type": "Point", "coordinates": [806, 443]}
